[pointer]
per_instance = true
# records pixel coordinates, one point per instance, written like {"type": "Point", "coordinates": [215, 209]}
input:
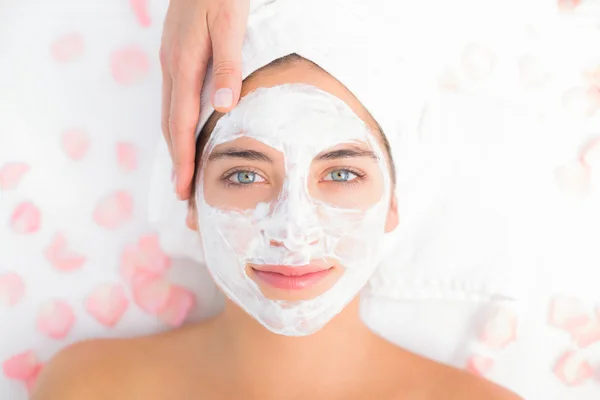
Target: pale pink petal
{"type": "Point", "coordinates": [140, 8]}
{"type": "Point", "coordinates": [146, 255]}
{"type": "Point", "coordinates": [11, 174]}
{"type": "Point", "coordinates": [591, 155]}
{"type": "Point", "coordinates": [61, 257]}
{"type": "Point", "coordinates": [568, 5]}
{"type": "Point", "coordinates": [31, 380]}
{"type": "Point", "coordinates": [67, 47]}
{"type": "Point", "coordinates": [572, 369]}
{"type": "Point", "coordinates": [500, 329]}
{"type": "Point", "coordinates": [129, 65]}
{"type": "Point", "coordinates": [107, 304]}
{"type": "Point", "coordinates": [177, 307]}
{"type": "Point", "coordinates": [75, 143]}
{"type": "Point", "coordinates": [568, 313]}
{"type": "Point", "coordinates": [127, 156]}
{"type": "Point", "coordinates": [21, 366]}
{"type": "Point", "coordinates": [151, 257]}
{"type": "Point", "coordinates": [12, 289]}
{"type": "Point", "coordinates": [26, 218]}
{"type": "Point", "coordinates": [479, 365]}
{"type": "Point", "coordinates": [114, 210]}
{"type": "Point", "coordinates": [129, 263]}
{"type": "Point", "coordinates": [150, 292]}
{"type": "Point", "coordinates": [582, 101]}
{"type": "Point", "coordinates": [587, 335]}
{"type": "Point", "coordinates": [56, 319]}
{"type": "Point", "coordinates": [477, 61]}
{"type": "Point", "coordinates": [573, 179]}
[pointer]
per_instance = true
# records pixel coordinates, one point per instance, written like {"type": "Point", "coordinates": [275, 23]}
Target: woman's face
{"type": "Point", "coordinates": [294, 189]}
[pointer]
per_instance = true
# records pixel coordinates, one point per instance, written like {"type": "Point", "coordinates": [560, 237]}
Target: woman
{"type": "Point", "coordinates": [254, 349]}
{"type": "Point", "coordinates": [294, 196]}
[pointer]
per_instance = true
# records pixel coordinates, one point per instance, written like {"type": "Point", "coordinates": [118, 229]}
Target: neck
{"type": "Point", "coordinates": [253, 352]}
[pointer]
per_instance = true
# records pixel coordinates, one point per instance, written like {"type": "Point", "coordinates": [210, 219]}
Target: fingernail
{"type": "Point", "coordinates": [223, 98]}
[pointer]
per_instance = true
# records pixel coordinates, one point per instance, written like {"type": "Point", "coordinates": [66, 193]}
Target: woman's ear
{"type": "Point", "coordinates": [191, 219]}
{"type": "Point", "coordinates": [392, 218]}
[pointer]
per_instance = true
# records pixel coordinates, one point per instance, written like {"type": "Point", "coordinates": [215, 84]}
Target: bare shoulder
{"type": "Point", "coordinates": [429, 379]}
{"type": "Point", "coordinates": [454, 383]}
{"type": "Point", "coordinates": [85, 370]}
{"type": "Point", "coordinates": [107, 369]}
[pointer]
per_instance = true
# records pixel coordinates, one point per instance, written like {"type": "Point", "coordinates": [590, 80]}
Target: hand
{"type": "Point", "coordinates": [194, 29]}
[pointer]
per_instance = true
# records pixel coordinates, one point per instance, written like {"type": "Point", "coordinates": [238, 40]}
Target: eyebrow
{"type": "Point", "coordinates": [244, 154]}
{"type": "Point", "coordinates": [346, 153]}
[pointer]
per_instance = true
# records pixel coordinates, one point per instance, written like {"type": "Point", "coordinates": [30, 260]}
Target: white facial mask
{"type": "Point", "coordinates": [300, 121]}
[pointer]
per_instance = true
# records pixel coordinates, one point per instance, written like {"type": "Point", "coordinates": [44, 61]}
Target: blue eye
{"type": "Point", "coordinates": [340, 175]}
{"type": "Point", "coordinates": [244, 178]}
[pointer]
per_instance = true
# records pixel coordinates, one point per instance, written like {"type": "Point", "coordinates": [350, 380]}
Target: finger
{"type": "Point", "coordinates": [185, 109]}
{"type": "Point", "coordinates": [227, 35]}
{"type": "Point", "coordinates": [167, 87]}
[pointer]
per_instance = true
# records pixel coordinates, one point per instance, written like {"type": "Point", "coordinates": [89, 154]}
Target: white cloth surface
{"type": "Point", "coordinates": [79, 124]}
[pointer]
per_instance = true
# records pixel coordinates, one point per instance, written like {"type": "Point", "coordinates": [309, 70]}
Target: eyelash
{"type": "Point", "coordinates": [360, 176]}
{"type": "Point", "coordinates": [225, 178]}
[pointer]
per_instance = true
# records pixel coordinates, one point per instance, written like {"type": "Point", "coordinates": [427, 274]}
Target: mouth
{"type": "Point", "coordinates": [291, 278]}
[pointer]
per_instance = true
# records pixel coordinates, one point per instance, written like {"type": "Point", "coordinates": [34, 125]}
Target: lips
{"type": "Point", "coordinates": [291, 278]}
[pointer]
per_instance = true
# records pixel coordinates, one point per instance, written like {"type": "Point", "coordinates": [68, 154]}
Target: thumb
{"type": "Point", "coordinates": [227, 35]}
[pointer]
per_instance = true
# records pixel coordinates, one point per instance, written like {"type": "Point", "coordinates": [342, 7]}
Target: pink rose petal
{"type": "Point", "coordinates": [129, 262]}
{"type": "Point", "coordinates": [568, 5]}
{"type": "Point", "coordinates": [140, 8]}
{"type": "Point", "coordinates": [67, 47]}
{"type": "Point", "coordinates": [11, 174]}
{"type": "Point", "coordinates": [21, 366]}
{"type": "Point", "coordinates": [568, 313]}
{"type": "Point", "coordinates": [591, 155]}
{"type": "Point", "coordinates": [56, 319]}
{"type": "Point", "coordinates": [75, 143]}
{"type": "Point", "coordinates": [147, 255]}
{"type": "Point", "coordinates": [177, 307]}
{"type": "Point", "coordinates": [587, 335]}
{"type": "Point", "coordinates": [25, 218]}
{"type": "Point", "coordinates": [572, 369]}
{"type": "Point", "coordinates": [107, 304]}
{"type": "Point", "coordinates": [500, 329]}
{"type": "Point", "coordinates": [127, 156]}
{"type": "Point", "coordinates": [150, 292]}
{"type": "Point", "coordinates": [61, 257]}
{"type": "Point", "coordinates": [12, 289]}
{"type": "Point", "coordinates": [129, 65]}
{"type": "Point", "coordinates": [32, 380]}
{"type": "Point", "coordinates": [114, 210]}
{"type": "Point", "coordinates": [479, 365]}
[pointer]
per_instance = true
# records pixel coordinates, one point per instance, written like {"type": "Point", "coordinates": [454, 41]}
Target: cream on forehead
{"type": "Point", "coordinates": [291, 114]}
{"type": "Point", "coordinates": [300, 121]}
